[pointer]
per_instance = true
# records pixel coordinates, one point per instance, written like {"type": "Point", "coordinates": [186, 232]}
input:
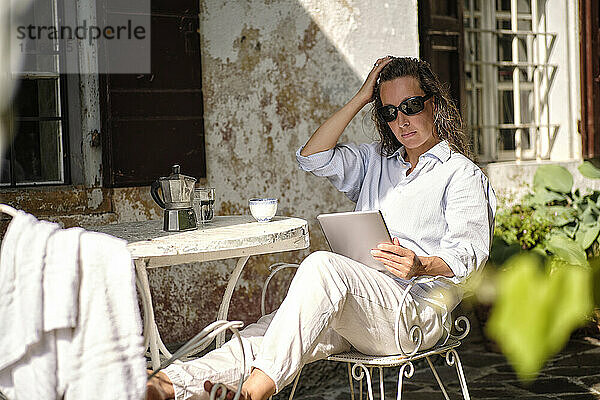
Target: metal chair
{"type": "Point", "coordinates": [201, 341]}
{"type": "Point", "coordinates": [360, 366]}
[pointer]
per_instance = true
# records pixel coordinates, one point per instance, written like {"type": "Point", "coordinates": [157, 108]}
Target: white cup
{"type": "Point", "coordinates": [263, 210]}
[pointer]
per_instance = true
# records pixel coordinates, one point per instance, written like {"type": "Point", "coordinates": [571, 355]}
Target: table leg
{"type": "Point", "coordinates": [138, 283]}
{"type": "Point", "coordinates": [224, 308]}
{"type": "Point", "coordinates": [151, 334]}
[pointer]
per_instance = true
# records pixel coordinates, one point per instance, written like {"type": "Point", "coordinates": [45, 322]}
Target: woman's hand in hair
{"type": "Point", "coordinates": [328, 134]}
{"type": "Point", "coordinates": [366, 91]}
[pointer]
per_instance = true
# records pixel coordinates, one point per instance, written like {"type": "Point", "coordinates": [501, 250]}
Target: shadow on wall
{"type": "Point", "coordinates": [265, 91]}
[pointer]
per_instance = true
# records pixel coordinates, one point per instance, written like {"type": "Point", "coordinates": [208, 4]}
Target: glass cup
{"type": "Point", "coordinates": [204, 204]}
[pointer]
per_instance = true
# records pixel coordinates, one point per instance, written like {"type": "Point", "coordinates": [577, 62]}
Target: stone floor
{"type": "Point", "coordinates": [572, 374]}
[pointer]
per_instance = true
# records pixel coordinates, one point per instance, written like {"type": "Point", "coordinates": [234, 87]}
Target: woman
{"type": "Point", "coordinates": [438, 206]}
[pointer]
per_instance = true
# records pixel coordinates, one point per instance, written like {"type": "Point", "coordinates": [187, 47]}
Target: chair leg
{"type": "Point", "coordinates": [437, 378]}
{"type": "Point", "coordinates": [404, 373]}
{"type": "Point", "coordinates": [381, 386]}
{"type": "Point", "coordinates": [295, 384]}
{"type": "Point", "coordinates": [350, 381]}
{"type": "Point", "coordinates": [452, 358]}
{"type": "Point", "coordinates": [362, 371]}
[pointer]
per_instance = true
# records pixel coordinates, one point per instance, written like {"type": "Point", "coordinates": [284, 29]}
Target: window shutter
{"type": "Point", "coordinates": [153, 121]}
{"type": "Point", "coordinates": [441, 43]}
{"type": "Point", "coordinates": [589, 127]}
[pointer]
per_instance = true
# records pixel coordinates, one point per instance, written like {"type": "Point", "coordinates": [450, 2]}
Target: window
{"type": "Point", "coordinates": [38, 152]}
{"type": "Point", "coordinates": [153, 121]}
{"type": "Point", "coordinates": [508, 79]}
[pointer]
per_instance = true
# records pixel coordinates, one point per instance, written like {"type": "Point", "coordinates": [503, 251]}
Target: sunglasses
{"type": "Point", "coordinates": [410, 106]}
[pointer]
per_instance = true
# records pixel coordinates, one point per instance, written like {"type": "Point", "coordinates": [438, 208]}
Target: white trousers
{"type": "Point", "coordinates": [333, 303]}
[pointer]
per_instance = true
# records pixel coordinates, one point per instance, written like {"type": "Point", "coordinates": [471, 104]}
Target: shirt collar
{"type": "Point", "coordinates": [441, 151]}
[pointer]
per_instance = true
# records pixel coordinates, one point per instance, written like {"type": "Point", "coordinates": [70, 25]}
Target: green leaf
{"type": "Point", "coordinates": [567, 249]}
{"type": "Point", "coordinates": [536, 311]}
{"type": "Point", "coordinates": [574, 285]}
{"type": "Point", "coordinates": [595, 264]}
{"type": "Point", "coordinates": [500, 251]}
{"type": "Point", "coordinates": [586, 234]}
{"type": "Point", "coordinates": [553, 177]}
{"type": "Point", "coordinates": [589, 216]}
{"type": "Point", "coordinates": [570, 230]}
{"type": "Point", "coordinates": [588, 170]}
{"type": "Point", "coordinates": [556, 215]}
{"type": "Point", "coordinates": [542, 196]}
{"type": "Point", "coordinates": [592, 204]}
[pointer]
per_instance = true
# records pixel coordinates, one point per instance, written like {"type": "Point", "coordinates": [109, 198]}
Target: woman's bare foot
{"type": "Point", "coordinates": [159, 387]}
{"type": "Point", "coordinates": [258, 386]}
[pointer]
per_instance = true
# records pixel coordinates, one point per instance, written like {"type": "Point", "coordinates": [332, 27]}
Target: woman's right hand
{"type": "Point", "coordinates": [366, 91]}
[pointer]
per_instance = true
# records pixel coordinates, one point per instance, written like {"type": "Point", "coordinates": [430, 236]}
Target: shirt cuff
{"type": "Point", "coordinates": [314, 161]}
{"type": "Point", "coordinates": [457, 265]}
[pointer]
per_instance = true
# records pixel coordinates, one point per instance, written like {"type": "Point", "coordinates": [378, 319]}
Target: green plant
{"type": "Point", "coordinates": [548, 278]}
{"type": "Point", "coordinates": [540, 301]}
{"type": "Point", "coordinates": [519, 225]}
{"type": "Point", "coordinates": [554, 219]}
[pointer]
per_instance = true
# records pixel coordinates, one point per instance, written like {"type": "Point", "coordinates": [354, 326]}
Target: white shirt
{"type": "Point", "coordinates": [445, 207]}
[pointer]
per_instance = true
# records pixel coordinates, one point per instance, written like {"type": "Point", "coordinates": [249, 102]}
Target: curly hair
{"type": "Point", "coordinates": [447, 120]}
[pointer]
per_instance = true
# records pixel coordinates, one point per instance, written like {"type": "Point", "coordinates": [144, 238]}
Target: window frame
{"type": "Point", "coordinates": [63, 118]}
{"type": "Point", "coordinates": [485, 122]}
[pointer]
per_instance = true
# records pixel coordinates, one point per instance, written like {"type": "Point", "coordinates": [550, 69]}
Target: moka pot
{"type": "Point", "coordinates": [176, 201]}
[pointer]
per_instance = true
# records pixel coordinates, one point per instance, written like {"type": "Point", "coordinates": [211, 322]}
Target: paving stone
{"type": "Point", "coordinates": [498, 386]}
{"type": "Point", "coordinates": [496, 377]}
{"type": "Point", "coordinates": [343, 396]}
{"type": "Point", "coordinates": [591, 379]}
{"type": "Point", "coordinates": [481, 359]}
{"type": "Point", "coordinates": [589, 361]}
{"type": "Point", "coordinates": [539, 397]}
{"type": "Point", "coordinates": [551, 385]}
{"type": "Point", "coordinates": [422, 395]}
{"type": "Point", "coordinates": [392, 387]}
{"type": "Point", "coordinates": [573, 374]}
{"type": "Point", "coordinates": [580, 396]}
{"type": "Point", "coordinates": [578, 346]}
{"type": "Point", "coordinates": [504, 368]}
{"type": "Point", "coordinates": [477, 393]}
{"type": "Point", "coordinates": [592, 382]}
{"type": "Point", "coordinates": [569, 371]}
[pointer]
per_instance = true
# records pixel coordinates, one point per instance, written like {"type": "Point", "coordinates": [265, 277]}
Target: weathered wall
{"type": "Point", "coordinates": [273, 70]}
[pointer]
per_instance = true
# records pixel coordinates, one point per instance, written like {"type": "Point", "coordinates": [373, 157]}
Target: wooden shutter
{"type": "Point", "coordinates": [589, 43]}
{"type": "Point", "coordinates": [441, 43]}
{"type": "Point", "coordinates": [150, 122]}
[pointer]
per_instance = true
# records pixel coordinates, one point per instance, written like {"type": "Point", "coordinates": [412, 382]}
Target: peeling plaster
{"type": "Point", "coordinates": [135, 204]}
{"type": "Point", "coordinates": [357, 28]}
{"type": "Point", "coordinates": [95, 198]}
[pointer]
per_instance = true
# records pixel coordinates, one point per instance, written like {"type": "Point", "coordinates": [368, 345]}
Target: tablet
{"type": "Point", "coordinates": [354, 234]}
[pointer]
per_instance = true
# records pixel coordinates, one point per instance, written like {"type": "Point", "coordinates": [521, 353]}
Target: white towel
{"type": "Point", "coordinates": [23, 345]}
{"type": "Point", "coordinates": [61, 279]}
{"type": "Point", "coordinates": [113, 351]}
{"type": "Point", "coordinates": [70, 320]}
{"type": "Point", "coordinates": [21, 272]}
